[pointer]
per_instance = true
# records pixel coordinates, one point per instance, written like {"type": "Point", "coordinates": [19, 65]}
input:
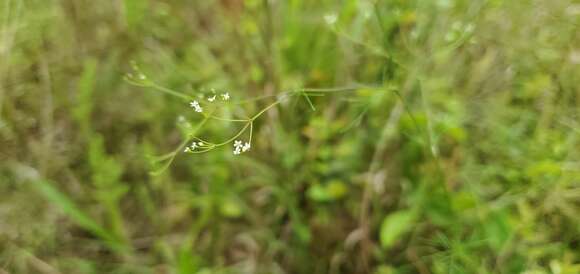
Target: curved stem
{"type": "Point", "coordinates": [202, 140]}
{"type": "Point", "coordinates": [224, 119]}
{"type": "Point", "coordinates": [251, 129]}
{"type": "Point", "coordinates": [264, 110]}
{"type": "Point", "coordinates": [201, 151]}
{"type": "Point", "coordinates": [233, 138]}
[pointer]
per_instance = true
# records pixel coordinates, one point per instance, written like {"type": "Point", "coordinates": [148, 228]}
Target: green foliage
{"type": "Point", "coordinates": [375, 136]}
{"type": "Point", "coordinates": [395, 225]}
{"type": "Point", "coordinates": [135, 11]}
{"type": "Point", "coordinates": [75, 213]}
{"type": "Point", "coordinates": [331, 191]}
{"type": "Point", "coordinates": [86, 85]}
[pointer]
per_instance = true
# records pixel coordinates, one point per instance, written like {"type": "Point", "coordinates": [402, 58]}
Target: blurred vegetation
{"type": "Point", "coordinates": [451, 144]}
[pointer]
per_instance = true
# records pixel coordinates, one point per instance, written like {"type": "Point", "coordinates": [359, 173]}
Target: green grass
{"type": "Point", "coordinates": [387, 136]}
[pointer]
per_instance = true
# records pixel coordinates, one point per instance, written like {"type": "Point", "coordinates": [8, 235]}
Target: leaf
{"type": "Point", "coordinates": [106, 169]}
{"type": "Point", "coordinates": [188, 262]}
{"type": "Point", "coordinates": [135, 11]}
{"type": "Point", "coordinates": [330, 191]}
{"type": "Point", "coordinates": [84, 104]}
{"type": "Point", "coordinates": [231, 208]}
{"type": "Point", "coordinates": [74, 212]}
{"type": "Point", "coordinates": [318, 193]}
{"type": "Point", "coordinates": [497, 229]}
{"type": "Point", "coordinates": [396, 225]}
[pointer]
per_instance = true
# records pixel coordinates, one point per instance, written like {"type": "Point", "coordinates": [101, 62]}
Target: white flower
{"type": "Point", "coordinates": [237, 143]}
{"type": "Point", "coordinates": [226, 96]}
{"type": "Point", "coordinates": [187, 149]}
{"type": "Point", "coordinates": [211, 99]}
{"type": "Point", "coordinates": [246, 147]}
{"type": "Point", "coordinates": [195, 105]}
{"type": "Point", "coordinates": [239, 147]}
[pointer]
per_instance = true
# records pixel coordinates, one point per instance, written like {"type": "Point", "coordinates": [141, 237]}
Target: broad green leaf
{"type": "Point", "coordinates": [395, 225]}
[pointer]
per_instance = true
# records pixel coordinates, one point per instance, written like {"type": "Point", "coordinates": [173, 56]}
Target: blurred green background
{"type": "Point", "coordinates": [453, 148]}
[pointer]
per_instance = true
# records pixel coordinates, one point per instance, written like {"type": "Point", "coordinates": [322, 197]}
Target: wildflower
{"type": "Point", "coordinates": [187, 149]}
{"type": "Point", "coordinates": [237, 143]}
{"type": "Point", "coordinates": [211, 99]}
{"type": "Point", "coordinates": [226, 96]}
{"type": "Point", "coordinates": [195, 105]}
{"type": "Point", "coordinates": [246, 147]}
{"type": "Point", "coordinates": [238, 147]}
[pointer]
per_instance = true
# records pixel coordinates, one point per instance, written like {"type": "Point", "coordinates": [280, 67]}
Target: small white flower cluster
{"type": "Point", "coordinates": [195, 105]}
{"type": "Point", "coordinates": [224, 96]}
{"type": "Point", "coordinates": [239, 147]}
{"type": "Point", "coordinates": [194, 145]}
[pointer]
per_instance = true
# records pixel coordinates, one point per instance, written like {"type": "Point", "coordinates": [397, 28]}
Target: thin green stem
{"type": "Point", "coordinates": [330, 90]}
{"type": "Point", "coordinates": [265, 109]}
{"type": "Point", "coordinates": [170, 91]}
{"type": "Point", "coordinates": [370, 47]}
{"type": "Point", "coordinates": [202, 140]}
{"type": "Point", "coordinates": [225, 119]}
{"type": "Point", "coordinates": [305, 94]}
{"type": "Point", "coordinates": [233, 138]}
{"type": "Point", "coordinates": [201, 151]}
{"type": "Point", "coordinates": [251, 130]}
{"type": "Point", "coordinates": [239, 102]}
